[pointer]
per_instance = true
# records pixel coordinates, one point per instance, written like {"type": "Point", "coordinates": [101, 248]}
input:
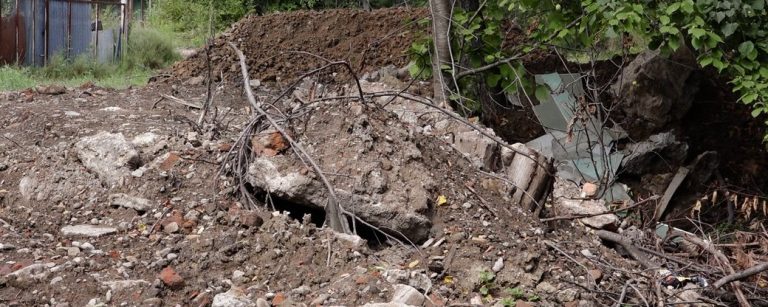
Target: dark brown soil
{"type": "Point", "coordinates": [280, 47]}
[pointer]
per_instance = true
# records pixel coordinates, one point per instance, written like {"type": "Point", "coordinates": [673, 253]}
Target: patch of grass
{"type": "Point", "coordinates": [14, 78]}
{"type": "Point", "coordinates": [147, 51]}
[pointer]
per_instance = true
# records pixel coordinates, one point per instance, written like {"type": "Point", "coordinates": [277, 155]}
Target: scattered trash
{"type": "Point", "coordinates": [673, 281]}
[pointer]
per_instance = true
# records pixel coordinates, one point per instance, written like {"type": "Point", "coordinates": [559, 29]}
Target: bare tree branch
{"type": "Point", "coordinates": [333, 209]}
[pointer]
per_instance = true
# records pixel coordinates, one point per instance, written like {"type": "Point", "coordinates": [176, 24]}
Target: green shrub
{"type": "Point", "coordinates": [148, 49]}
{"type": "Point", "coordinates": [59, 68]}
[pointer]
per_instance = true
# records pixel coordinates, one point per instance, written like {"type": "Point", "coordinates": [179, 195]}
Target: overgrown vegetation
{"type": "Point", "coordinates": [147, 51]}
{"type": "Point", "coordinates": [729, 36]}
{"type": "Point", "coordinates": [509, 296]}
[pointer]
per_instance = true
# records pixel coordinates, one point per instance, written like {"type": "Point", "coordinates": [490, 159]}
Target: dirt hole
{"type": "Point", "coordinates": [374, 238]}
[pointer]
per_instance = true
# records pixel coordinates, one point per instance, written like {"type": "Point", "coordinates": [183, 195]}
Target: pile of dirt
{"type": "Point", "coordinates": [170, 230]}
{"type": "Point", "coordinates": [283, 46]}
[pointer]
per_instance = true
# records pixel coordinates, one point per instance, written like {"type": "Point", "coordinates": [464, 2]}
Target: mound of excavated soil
{"type": "Point", "coordinates": [367, 40]}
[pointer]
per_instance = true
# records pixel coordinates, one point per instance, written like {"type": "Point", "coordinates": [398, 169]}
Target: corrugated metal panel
{"type": "Point", "coordinates": [33, 11]}
{"type": "Point", "coordinates": [69, 26]}
{"type": "Point", "coordinates": [81, 28]}
{"type": "Point", "coordinates": [58, 25]}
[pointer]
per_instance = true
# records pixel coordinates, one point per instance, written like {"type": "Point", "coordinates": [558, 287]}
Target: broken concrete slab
{"type": "Point", "coordinates": [404, 294]}
{"type": "Point", "coordinates": [658, 147]}
{"type": "Point", "coordinates": [235, 297]}
{"type": "Point", "coordinates": [109, 155]}
{"type": "Point", "coordinates": [87, 230]}
{"type": "Point", "coordinates": [131, 202]}
{"type": "Point", "coordinates": [397, 209]}
{"type": "Point", "coordinates": [567, 202]}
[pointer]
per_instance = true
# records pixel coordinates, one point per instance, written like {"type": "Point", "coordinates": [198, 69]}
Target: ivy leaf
{"type": "Point", "coordinates": [705, 61]}
{"type": "Point", "coordinates": [719, 16]}
{"type": "Point", "coordinates": [674, 44]}
{"type": "Point", "coordinates": [697, 32]}
{"type": "Point", "coordinates": [717, 63]}
{"type": "Point", "coordinates": [713, 39]}
{"type": "Point", "coordinates": [696, 43]}
{"type": "Point", "coordinates": [756, 112]}
{"type": "Point", "coordinates": [729, 28]}
{"type": "Point", "coordinates": [746, 48]}
{"type": "Point", "coordinates": [542, 93]}
{"type": "Point", "coordinates": [664, 19]}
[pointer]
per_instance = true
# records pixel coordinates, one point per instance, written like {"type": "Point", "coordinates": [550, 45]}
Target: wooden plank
{"type": "Point", "coordinates": [682, 172]}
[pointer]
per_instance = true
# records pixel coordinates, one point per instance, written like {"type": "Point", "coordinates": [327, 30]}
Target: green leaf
{"type": "Point", "coordinates": [542, 93]}
{"type": "Point", "coordinates": [696, 43]}
{"type": "Point", "coordinates": [746, 48]}
{"type": "Point", "coordinates": [484, 290]}
{"type": "Point", "coordinates": [664, 19]}
{"type": "Point", "coordinates": [758, 5]}
{"type": "Point", "coordinates": [729, 28]}
{"type": "Point", "coordinates": [687, 6]}
{"type": "Point", "coordinates": [674, 43]}
{"type": "Point", "coordinates": [756, 112]}
{"type": "Point", "coordinates": [717, 63]}
{"type": "Point", "coordinates": [492, 79]}
{"type": "Point", "coordinates": [705, 61]}
{"type": "Point", "coordinates": [764, 72]}
{"type": "Point", "coordinates": [673, 8]}
{"type": "Point", "coordinates": [713, 39]}
{"type": "Point", "coordinates": [697, 32]}
{"type": "Point", "coordinates": [749, 98]}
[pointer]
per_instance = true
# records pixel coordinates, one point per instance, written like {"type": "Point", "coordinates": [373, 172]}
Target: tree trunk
{"type": "Point", "coordinates": [441, 10]}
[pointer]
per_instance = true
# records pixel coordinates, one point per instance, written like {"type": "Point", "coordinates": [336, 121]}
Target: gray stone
{"type": "Point", "coordinates": [232, 298]}
{"type": "Point", "coordinates": [566, 202]}
{"type": "Point", "coordinates": [647, 106]}
{"type": "Point", "coordinates": [404, 294]}
{"type": "Point", "coordinates": [130, 202]}
{"type": "Point", "coordinates": [146, 139]}
{"type": "Point", "coordinates": [110, 156]}
{"type": "Point", "coordinates": [647, 154]}
{"type": "Point", "coordinates": [122, 285]}
{"type": "Point", "coordinates": [28, 276]}
{"type": "Point", "coordinates": [27, 187]}
{"type": "Point", "coordinates": [171, 227]}
{"type": "Point", "coordinates": [545, 287]}
{"type": "Point", "coordinates": [87, 230]}
{"type": "Point", "coordinates": [301, 291]}
{"type": "Point", "coordinates": [260, 302]}
{"type": "Point", "coordinates": [276, 175]}
{"type": "Point", "coordinates": [566, 295]}
{"type": "Point", "coordinates": [498, 265]}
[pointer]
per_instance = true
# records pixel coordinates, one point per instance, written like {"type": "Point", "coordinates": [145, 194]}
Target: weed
{"type": "Point", "coordinates": [148, 49]}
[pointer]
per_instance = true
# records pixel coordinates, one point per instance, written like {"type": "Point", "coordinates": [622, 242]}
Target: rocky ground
{"type": "Point", "coordinates": [118, 198]}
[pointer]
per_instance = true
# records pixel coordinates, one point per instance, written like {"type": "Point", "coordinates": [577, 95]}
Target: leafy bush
{"type": "Point", "coordinates": [729, 36]}
{"type": "Point", "coordinates": [148, 49]}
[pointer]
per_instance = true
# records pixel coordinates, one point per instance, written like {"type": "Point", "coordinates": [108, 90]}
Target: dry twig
{"type": "Point", "coordinates": [333, 209]}
{"type": "Point", "coordinates": [740, 275]}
